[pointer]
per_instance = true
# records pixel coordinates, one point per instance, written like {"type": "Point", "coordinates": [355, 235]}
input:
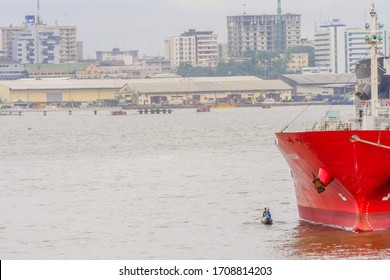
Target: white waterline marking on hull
{"type": "Point", "coordinates": [386, 198]}
{"type": "Point", "coordinates": [342, 197]}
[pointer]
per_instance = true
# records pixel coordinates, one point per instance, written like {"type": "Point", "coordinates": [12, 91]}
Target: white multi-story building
{"type": "Point", "coordinates": [328, 44]}
{"type": "Point", "coordinates": [36, 45]}
{"type": "Point", "coordinates": [180, 49]}
{"type": "Point", "coordinates": [199, 48]}
{"type": "Point", "coordinates": [339, 48]}
{"type": "Point", "coordinates": [68, 41]}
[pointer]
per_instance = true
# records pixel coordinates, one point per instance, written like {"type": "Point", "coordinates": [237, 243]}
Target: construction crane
{"type": "Point", "coordinates": [279, 31]}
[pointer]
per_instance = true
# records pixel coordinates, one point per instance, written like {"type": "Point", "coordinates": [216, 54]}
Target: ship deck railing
{"type": "Point", "coordinates": [332, 125]}
{"type": "Point", "coordinates": [352, 124]}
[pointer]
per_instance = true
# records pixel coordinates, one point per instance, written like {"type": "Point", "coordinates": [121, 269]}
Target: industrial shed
{"type": "Point", "coordinates": [143, 91]}
{"type": "Point", "coordinates": [59, 90]}
{"type": "Point", "coordinates": [307, 86]}
{"type": "Point", "coordinates": [202, 90]}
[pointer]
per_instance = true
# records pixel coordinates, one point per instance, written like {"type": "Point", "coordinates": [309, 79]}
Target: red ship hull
{"type": "Point", "coordinates": [352, 177]}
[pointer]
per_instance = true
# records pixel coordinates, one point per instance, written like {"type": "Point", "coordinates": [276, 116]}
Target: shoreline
{"type": "Point", "coordinates": [16, 110]}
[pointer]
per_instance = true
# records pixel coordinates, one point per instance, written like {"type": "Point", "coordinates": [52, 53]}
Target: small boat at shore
{"type": "Point", "coordinates": [267, 103]}
{"type": "Point", "coordinates": [203, 109]}
{"type": "Point", "coordinates": [118, 113]}
{"type": "Point", "coordinates": [266, 106]}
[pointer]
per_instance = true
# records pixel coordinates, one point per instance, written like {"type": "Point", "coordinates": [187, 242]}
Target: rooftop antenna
{"type": "Point", "coordinates": [244, 8]}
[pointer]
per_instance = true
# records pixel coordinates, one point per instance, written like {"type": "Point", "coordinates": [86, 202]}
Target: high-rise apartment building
{"type": "Point", "coordinates": [67, 44]}
{"type": "Point", "coordinates": [8, 35]}
{"type": "Point", "coordinates": [259, 32]}
{"type": "Point", "coordinates": [34, 45]}
{"type": "Point", "coordinates": [199, 48]}
{"type": "Point", "coordinates": [340, 48]}
{"type": "Point", "coordinates": [327, 46]}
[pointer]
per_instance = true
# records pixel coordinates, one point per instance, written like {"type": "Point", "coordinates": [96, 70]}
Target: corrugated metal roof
{"type": "Point", "coordinates": [63, 67]}
{"type": "Point", "coordinates": [33, 84]}
{"type": "Point", "coordinates": [319, 79]}
{"type": "Point", "coordinates": [237, 83]}
{"type": "Point", "coordinates": [207, 86]}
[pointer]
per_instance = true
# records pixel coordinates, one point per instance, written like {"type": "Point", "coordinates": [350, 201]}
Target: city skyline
{"type": "Point", "coordinates": [144, 24]}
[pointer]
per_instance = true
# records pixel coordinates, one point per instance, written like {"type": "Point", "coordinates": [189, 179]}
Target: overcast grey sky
{"type": "Point", "coordinates": [143, 24]}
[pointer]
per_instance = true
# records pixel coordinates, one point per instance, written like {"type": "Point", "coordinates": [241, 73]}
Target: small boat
{"type": "Point", "coordinates": [266, 220]}
{"type": "Point", "coordinates": [266, 106]}
{"type": "Point", "coordinates": [267, 103]}
{"type": "Point", "coordinates": [118, 113]}
{"type": "Point", "coordinates": [203, 109]}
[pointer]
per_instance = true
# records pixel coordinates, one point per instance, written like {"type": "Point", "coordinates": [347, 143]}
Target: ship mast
{"type": "Point", "coordinates": [374, 64]}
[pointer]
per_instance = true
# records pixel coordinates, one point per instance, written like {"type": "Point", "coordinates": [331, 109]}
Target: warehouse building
{"type": "Point", "coordinates": [59, 90]}
{"type": "Point", "coordinates": [308, 86]}
{"type": "Point", "coordinates": [163, 91]}
{"type": "Point", "coordinates": [207, 90]}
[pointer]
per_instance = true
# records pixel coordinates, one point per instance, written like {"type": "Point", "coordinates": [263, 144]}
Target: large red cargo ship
{"type": "Point", "coordinates": [341, 170]}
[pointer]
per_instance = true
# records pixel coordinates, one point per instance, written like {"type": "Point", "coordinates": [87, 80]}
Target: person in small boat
{"type": "Point", "coordinates": [264, 212]}
{"type": "Point", "coordinates": [267, 214]}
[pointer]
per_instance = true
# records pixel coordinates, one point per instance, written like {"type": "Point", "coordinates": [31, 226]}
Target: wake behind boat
{"type": "Point", "coordinates": [341, 170]}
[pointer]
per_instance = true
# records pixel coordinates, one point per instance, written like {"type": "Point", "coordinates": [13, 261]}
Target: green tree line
{"type": "Point", "coordinates": [263, 64]}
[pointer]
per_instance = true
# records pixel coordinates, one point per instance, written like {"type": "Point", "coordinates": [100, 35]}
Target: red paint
{"type": "Point", "coordinates": [324, 176]}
